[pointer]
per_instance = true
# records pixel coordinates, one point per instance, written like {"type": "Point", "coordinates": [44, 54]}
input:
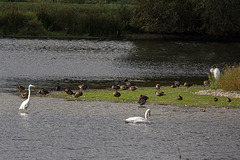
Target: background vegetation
{"type": "Point", "coordinates": [104, 18]}
{"type": "Point", "coordinates": [229, 79]}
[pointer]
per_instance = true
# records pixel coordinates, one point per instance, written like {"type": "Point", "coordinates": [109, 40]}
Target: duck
{"type": "Point", "coordinates": [69, 91]}
{"type": "Point", "coordinates": [173, 86]}
{"type": "Point", "coordinates": [128, 83]}
{"type": "Point", "coordinates": [77, 94]}
{"type": "Point", "coordinates": [43, 91]}
{"type": "Point", "coordinates": [186, 84]}
{"type": "Point", "coordinates": [142, 99]}
{"type": "Point", "coordinates": [203, 110]}
{"type": "Point", "coordinates": [206, 83]}
{"type": "Point", "coordinates": [20, 87]}
{"type": "Point", "coordinates": [58, 88]}
{"type": "Point", "coordinates": [24, 95]}
{"type": "Point", "coordinates": [82, 87]}
{"type": "Point", "coordinates": [139, 119]}
{"type": "Point", "coordinates": [132, 88]}
{"type": "Point", "coordinates": [229, 100]}
{"type": "Point", "coordinates": [179, 98]}
{"type": "Point", "coordinates": [124, 87]}
{"type": "Point", "coordinates": [116, 87]}
{"type": "Point", "coordinates": [215, 99]}
{"type": "Point", "coordinates": [177, 83]}
{"type": "Point", "coordinates": [116, 94]}
{"type": "Point", "coordinates": [159, 93]}
{"type": "Point", "coordinates": [157, 86]}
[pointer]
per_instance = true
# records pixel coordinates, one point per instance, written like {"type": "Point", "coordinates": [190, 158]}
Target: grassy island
{"type": "Point", "coordinates": [190, 98]}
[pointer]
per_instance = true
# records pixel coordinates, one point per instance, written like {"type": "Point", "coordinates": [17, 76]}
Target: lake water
{"type": "Point", "coordinates": [76, 130]}
{"type": "Point", "coordinates": [100, 64]}
{"type": "Point", "coordinates": [71, 130]}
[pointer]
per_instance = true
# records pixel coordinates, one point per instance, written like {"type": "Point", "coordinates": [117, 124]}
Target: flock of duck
{"type": "Point", "coordinates": [142, 99]}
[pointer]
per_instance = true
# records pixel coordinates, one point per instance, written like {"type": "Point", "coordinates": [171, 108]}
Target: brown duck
{"type": "Point", "coordinates": [43, 91]}
{"type": "Point", "coordinates": [77, 94]}
{"type": "Point", "coordinates": [179, 98]}
{"type": "Point", "coordinates": [69, 91]}
{"type": "Point", "coordinates": [116, 94]}
{"type": "Point", "coordinates": [159, 93]}
{"type": "Point", "coordinates": [20, 87]}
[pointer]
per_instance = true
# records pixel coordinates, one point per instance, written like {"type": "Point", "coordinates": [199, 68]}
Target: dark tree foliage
{"type": "Point", "coordinates": [211, 17]}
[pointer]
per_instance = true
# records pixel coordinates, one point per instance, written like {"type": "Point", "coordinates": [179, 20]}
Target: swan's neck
{"type": "Point", "coordinates": [147, 114]}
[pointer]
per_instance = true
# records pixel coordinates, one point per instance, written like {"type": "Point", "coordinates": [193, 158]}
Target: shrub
{"type": "Point", "coordinates": [230, 79]}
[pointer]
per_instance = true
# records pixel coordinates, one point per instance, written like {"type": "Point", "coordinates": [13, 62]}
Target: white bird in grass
{"type": "Point", "coordinates": [215, 72]}
{"type": "Point", "coordinates": [139, 119]}
{"type": "Point", "coordinates": [25, 103]}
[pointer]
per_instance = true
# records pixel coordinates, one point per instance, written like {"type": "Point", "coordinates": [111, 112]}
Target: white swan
{"type": "Point", "coordinates": [25, 103]}
{"type": "Point", "coordinates": [139, 119]}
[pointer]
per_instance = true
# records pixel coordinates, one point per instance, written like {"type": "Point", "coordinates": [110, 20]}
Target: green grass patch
{"type": "Point", "coordinates": [127, 96]}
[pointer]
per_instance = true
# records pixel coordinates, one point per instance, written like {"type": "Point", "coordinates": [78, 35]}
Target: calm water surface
{"type": "Point", "coordinates": [70, 130]}
{"type": "Point", "coordinates": [100, 64]}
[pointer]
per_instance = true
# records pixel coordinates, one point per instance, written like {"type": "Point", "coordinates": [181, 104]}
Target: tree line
{"type": "Point", "coordinates": [115, 17]}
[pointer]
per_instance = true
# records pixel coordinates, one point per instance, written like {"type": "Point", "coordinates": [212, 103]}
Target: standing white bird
{"type": "Point", "coordinates": [215, 72]}
{"type": "Point", "coordinates": [25, 103]}
{"type": "Point", "coordinates": [139, 119]}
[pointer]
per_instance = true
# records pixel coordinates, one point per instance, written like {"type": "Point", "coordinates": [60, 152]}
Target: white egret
{"type": "Point", "coordinates": [139, 119]}
{"type": "Point", "coordinates": [215, 72]}
{"type": "Point", "coordinates": [25, 103]}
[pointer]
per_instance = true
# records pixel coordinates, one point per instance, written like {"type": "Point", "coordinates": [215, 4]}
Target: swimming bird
{"type": "Point", "coordinates": [69, 91]}
{"type": "Point", "coordinates": [77, 94]}
{"type": "Point", "coordinates": [139, 119]}
{"type": "Point", "coordinates": [159, 93]}
{"type": "Point", "coordinates": [203, 109]}
{"type": "Point", "coordinates": [43, 91]}
{"type": "Point", "coordinates": [179, 97]}
{"type": "Point", "coordinates": [116, 94]}
{"type": "Point", "coordinates": [25, 103]}
{"type": "Point", "coordinates": [157, 86]}
{"type": "Point", "coordinates": [215, 99]}
{"type": "Point", "coordinates": [24, 95]}
{"type": "Point", "coordinates": [20, 87]}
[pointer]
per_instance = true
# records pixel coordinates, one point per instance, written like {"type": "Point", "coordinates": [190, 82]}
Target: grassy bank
{"type": "Point", "coordinates": [127, 96]}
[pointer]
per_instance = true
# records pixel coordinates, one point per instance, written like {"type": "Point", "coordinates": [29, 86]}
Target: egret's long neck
{"type": "Point", "coordinates": [147, 114]}
{"type": "Point", "coordinates": [29, 92]}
